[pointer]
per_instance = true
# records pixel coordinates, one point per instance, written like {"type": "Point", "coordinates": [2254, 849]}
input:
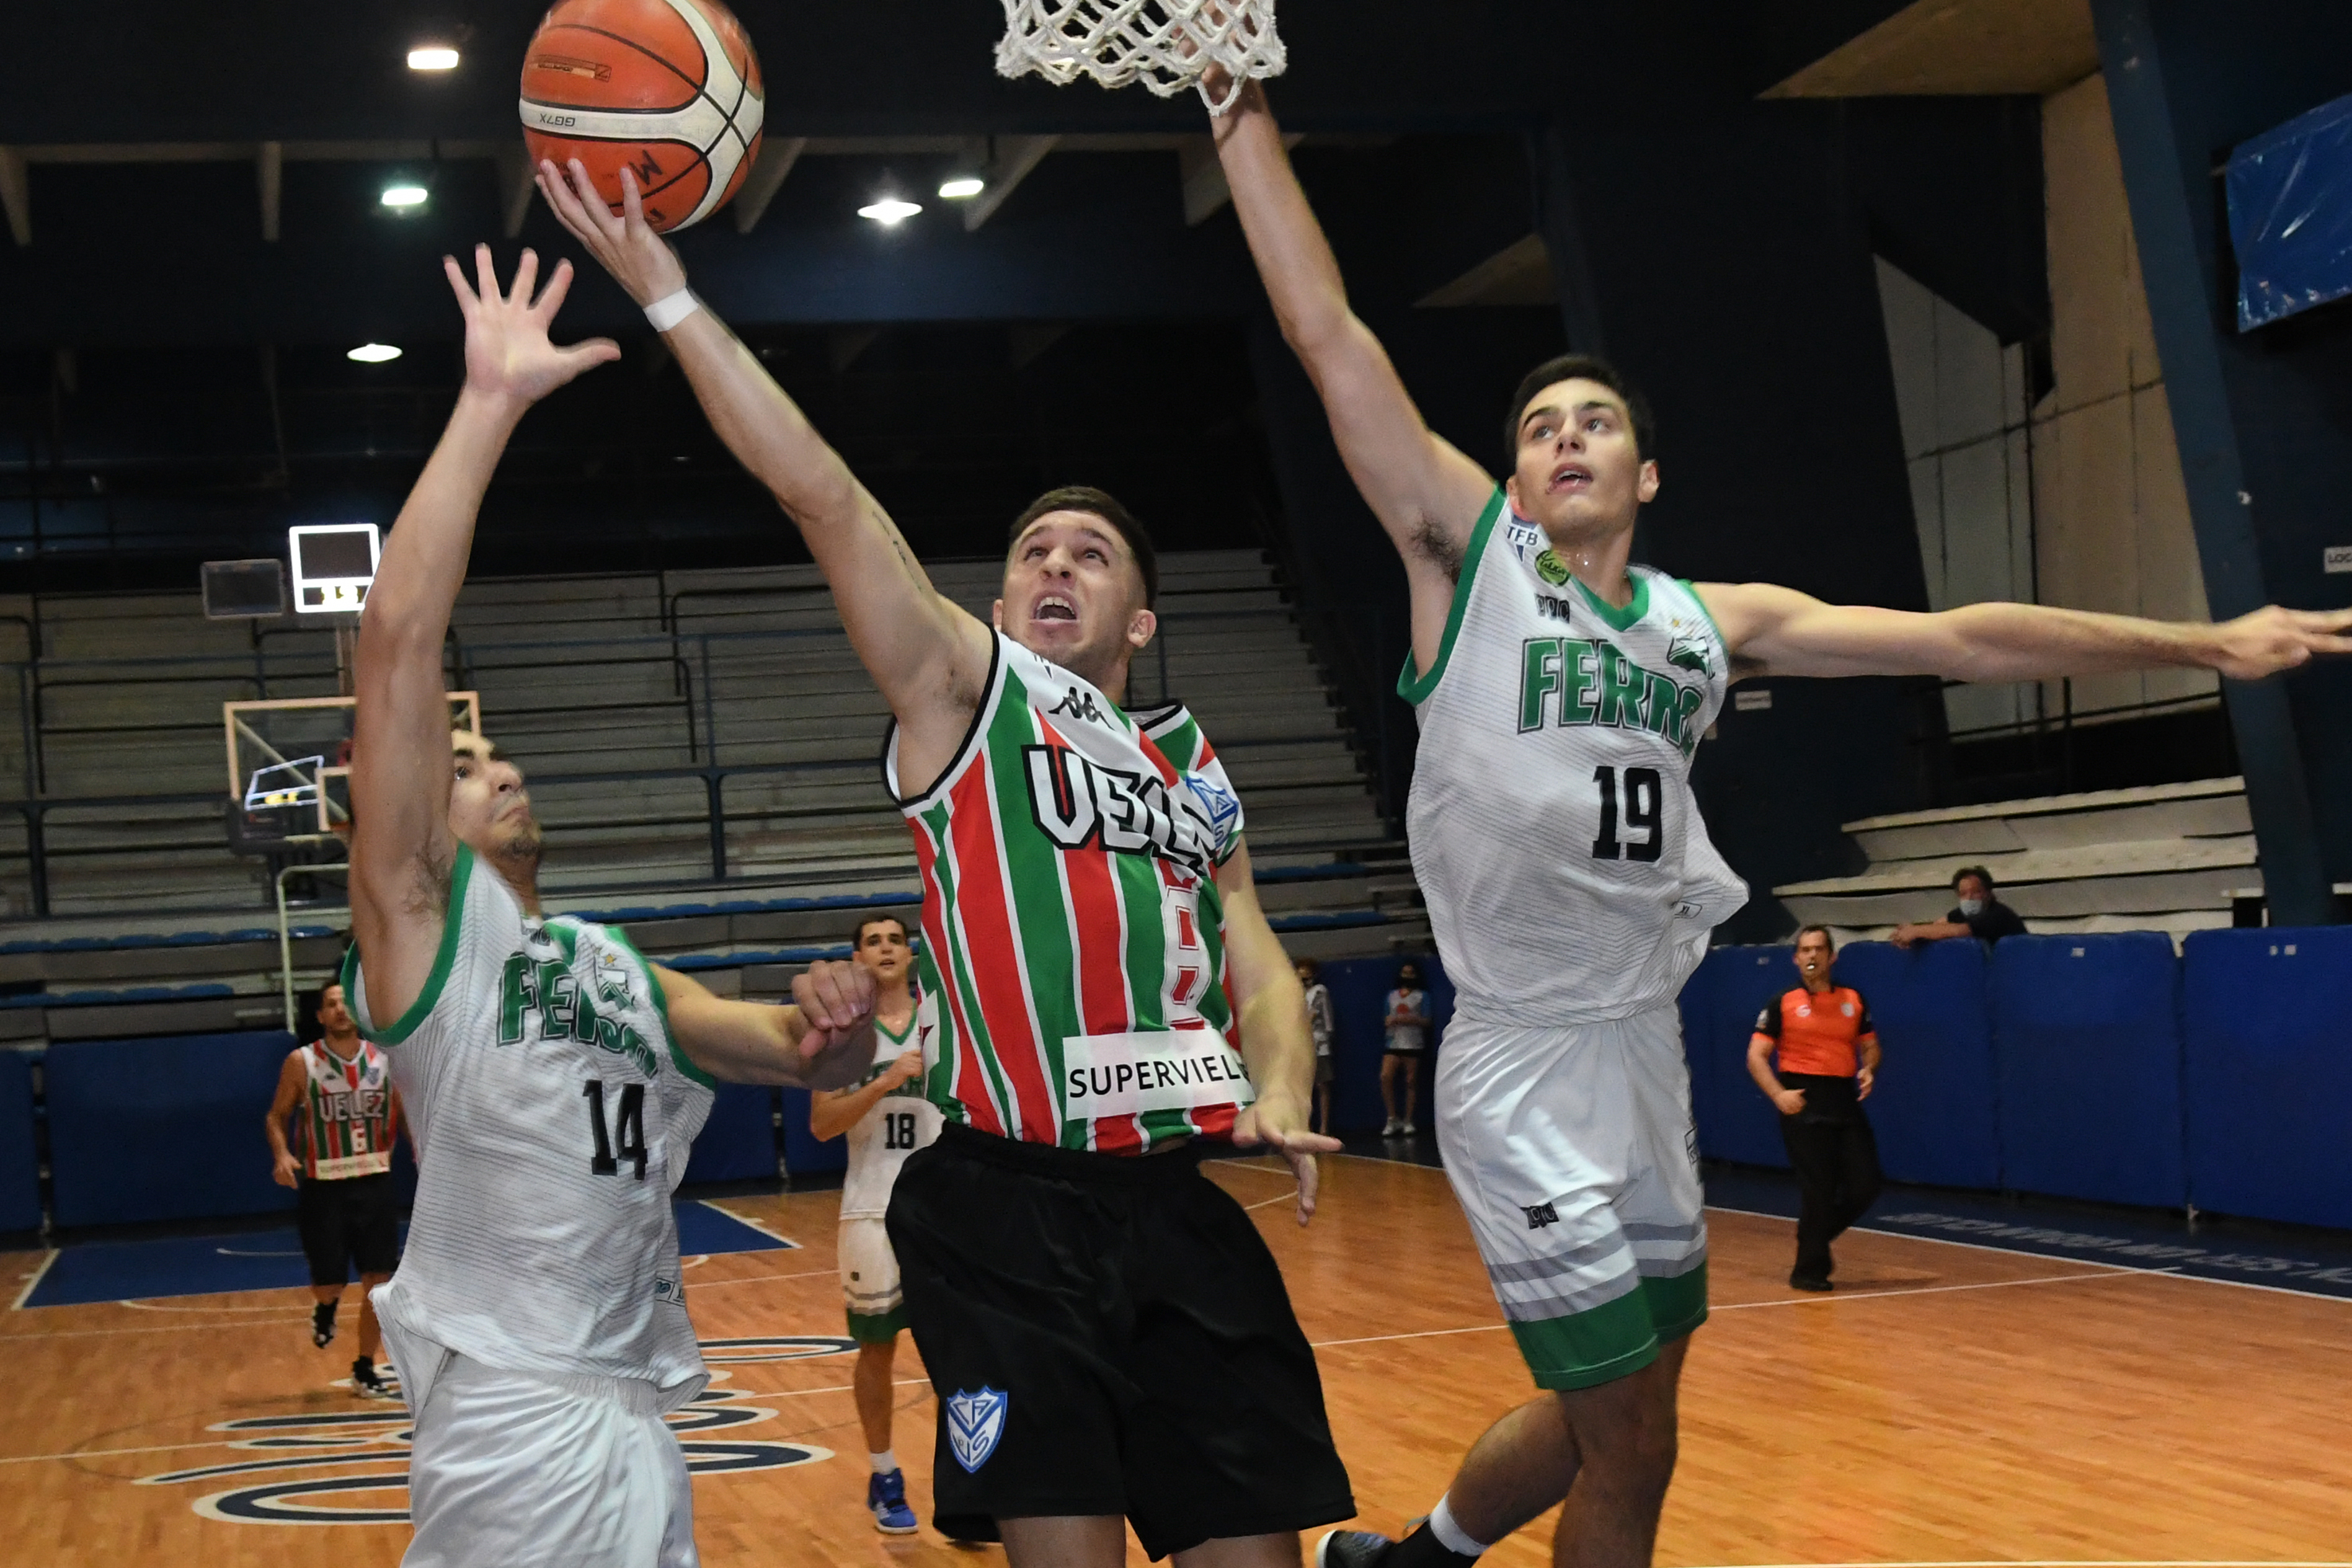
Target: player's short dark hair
{"type": "Point", "coordinates": [857, 937]}
{"type": "Point", "coordinates": [1977, 872]}
{"type": "Point", "coordinates": [318, 998]}
{"type": "Point", "coordinates": [1805, 931]}
{"type": "Point", "coordinates": [1580, 368]}
{"type": "Point", "coordinates": [1310, 965]}
{"type": "Point", "coordinates": [1108, 506]}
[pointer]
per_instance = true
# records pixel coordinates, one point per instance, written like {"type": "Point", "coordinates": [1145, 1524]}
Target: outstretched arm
{"type": "Point", "coordinates": [824, 1041]}
{"type": "Point", "coordinates": [1275, 1041]}
{"type": "Point", "coordinates": [929, 657]}
{"type": "Point", "coordinates": [1779, 632]}
{"type": "Point", "coordinates": [1426, 494]}
{"type": "Point", "coordinates": [401, 850]}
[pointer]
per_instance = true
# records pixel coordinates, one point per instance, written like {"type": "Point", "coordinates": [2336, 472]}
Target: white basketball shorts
{"type": "Point", "coordinates": [870, 1288]}
{"type": "Point", "coordinates": [508, 1470]}
{"type": "Point", "coordinates": [1573, 1154]}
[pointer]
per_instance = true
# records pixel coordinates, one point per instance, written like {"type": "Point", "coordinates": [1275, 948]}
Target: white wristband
{"type": "Point", "coordinates": [669, 311]}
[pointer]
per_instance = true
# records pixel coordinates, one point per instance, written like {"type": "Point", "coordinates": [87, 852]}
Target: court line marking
{"type": "Point", "coordinates": [159, 1328]}
{"type": "Point", "coordinates": [1804, 1301]}
{"type": "Point", "coordinates": [713, 1203]}
{"type": "Point", "coordinates": [142, 1306]}
{"type": "Point", "coordinates": [33, 1280]}
{"type": "Point", "coordinates": [753, 1278]}
{"type": "Point", "coordinates": [2173, 1272]}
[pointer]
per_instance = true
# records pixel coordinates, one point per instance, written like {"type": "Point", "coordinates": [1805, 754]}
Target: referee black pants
{"type": "Point", "coordinates": [1835, 1157]}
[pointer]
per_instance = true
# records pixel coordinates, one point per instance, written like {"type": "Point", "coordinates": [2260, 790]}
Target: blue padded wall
{"type": "Point", "coordinates": [1359, 994]}
{"type": "Point", "coordinates": [738, 1143]}
{"type": "Point", "coordinates": [1694, 1005]}
{"type": "Point", "coordinates": [1741, 980]}
{"type": "Point", "coordinates": [2268, 1019]}
{"type": "Point", "coordinates": [1935, 1108]}
{"type": "Point", "coordinates": [20, 1171]}
{"type": "Point", "coordinates": [2086, 1031]}
{"type": "Point", "coordinates": [804, 1154]}
{"type": "Point", "coordinates": [163, 1129]}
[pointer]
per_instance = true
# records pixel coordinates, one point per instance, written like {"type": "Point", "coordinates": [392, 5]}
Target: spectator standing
{"type": "Point", "coordinates": [1323, 1024]}
{"type": "Point", "coordinates": [1827, 1064]}
{"type": "Point", "coordinates": [1979, 914]}
{"type": "Point", "coordinates": [1407, 1023]}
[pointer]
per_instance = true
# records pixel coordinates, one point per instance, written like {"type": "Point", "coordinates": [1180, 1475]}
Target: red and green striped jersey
{"type": "Point", "coordinates": [1073, 955]}
{"type": "Point", "coordinates": [346, 1125]}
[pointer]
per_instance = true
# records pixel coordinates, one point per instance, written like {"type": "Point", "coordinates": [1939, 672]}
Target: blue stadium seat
{"type": "Point", "coordinates": [2269, 1072]}
{"type": "Point", "coordinates": [1936, 1106]}
{"type": "Point", "coordinates": [2086, 1030]}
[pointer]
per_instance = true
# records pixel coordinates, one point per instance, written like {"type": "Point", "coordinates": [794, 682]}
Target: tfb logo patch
{"type": "Point", "coordinates": [975, 1424]}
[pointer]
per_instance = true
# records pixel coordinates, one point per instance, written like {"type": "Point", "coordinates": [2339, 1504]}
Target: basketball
{"type": "Point", "coordinates": [667, 89]}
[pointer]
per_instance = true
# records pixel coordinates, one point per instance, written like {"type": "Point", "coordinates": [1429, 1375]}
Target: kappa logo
{"type": "Point", "coordinates": [975, 1424]}
{"type": "Point", "coordinates": [1690, 654]}
{"type": "Point", "coordinates": [1541, 1215]}
{"type": "Point", "coordinates": [1079, 705]}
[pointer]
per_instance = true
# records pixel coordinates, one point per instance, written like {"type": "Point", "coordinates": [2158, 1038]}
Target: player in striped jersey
{"type": "Point", "coordinates": [346, 1114]}
{"type": "Point", "coordinates": [1108, 1336]}
{"type": "Point", "coordinates": [1561, 690]}
{"type": "Point", "coordinates": [556, 1079]}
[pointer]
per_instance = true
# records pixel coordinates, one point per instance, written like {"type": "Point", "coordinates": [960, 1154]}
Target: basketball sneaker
{"type": "Point", "coordinates": [885, 1498]}
{"type": "Point", "coordinates": [1395, 1125]}
{"type": "Point", "coordinates": [367, 1383]}
{"type": "Point", "coordinates": [322, 1324]}
{"type": "Point", "coordinates": [1407, 1128]}
{"type": "Point", "coordinates": [1352, 1549]}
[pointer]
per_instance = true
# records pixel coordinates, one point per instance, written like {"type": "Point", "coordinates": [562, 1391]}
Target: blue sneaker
{"type": "Point", "coordinates": [885, 1497]}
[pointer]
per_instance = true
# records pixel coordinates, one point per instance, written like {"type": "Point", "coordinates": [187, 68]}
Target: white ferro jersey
{"type": "Point", "coordinates": [555, 1115]}
{"type": "Point", "coordinates": [900, 1123]}
{"type": "Point", "coordinates": [1567, 872]}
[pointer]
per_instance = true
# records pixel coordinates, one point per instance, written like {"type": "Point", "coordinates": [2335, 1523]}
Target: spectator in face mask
{"type": "Point", "coordinates": [1979, 915]}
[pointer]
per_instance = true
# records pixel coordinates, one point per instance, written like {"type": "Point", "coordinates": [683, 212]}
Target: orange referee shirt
{"type": "Point", "coordinates": [1819, 1035]}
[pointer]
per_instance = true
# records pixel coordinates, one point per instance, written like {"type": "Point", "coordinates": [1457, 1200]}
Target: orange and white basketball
{"type": "Point", "coordinates": [668, 88]}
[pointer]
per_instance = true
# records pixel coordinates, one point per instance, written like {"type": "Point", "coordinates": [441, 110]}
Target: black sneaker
{"type": "Point", "coordinates": [322, 1324]}
{"type": "Point", "coordinates": [1352, 1549]}
{"type": "Point", "coordinates": [1809, 1282]}
{"type": "Point", "coordinates": [366, 1383]}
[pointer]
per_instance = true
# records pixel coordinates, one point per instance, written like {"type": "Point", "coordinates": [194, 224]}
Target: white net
{"type": "Point", "coordinates": [1167, 45]}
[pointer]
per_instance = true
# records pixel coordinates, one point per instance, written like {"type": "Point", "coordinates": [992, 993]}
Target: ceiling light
{"type": "Point", "coordinates": [403, 195]}
{"type": "Point", "coordinates": [962, 190]}
{"type": "Point", "coordinates": [890, 210]}
{"type": "Point", "coordinates": [432, 57]}
{"type": "Point", "coordinates": [373, 353]}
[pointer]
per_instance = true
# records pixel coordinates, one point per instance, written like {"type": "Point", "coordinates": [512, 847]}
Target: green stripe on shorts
{"type": "Point", "coordinates": [1677, 1305]}
{"type": "Point", "coordinates": [1615, 1339]}
{"type": "Point", "coordinates": [879, 1329]}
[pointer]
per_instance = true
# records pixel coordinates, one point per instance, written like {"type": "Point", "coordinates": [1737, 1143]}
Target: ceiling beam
{"type": "Point", "coordinates": [16, 194]}
{"type": "Point", "coordinates": [270, 171]}
{"type": "Point", "coordinates": [1957, 47]}
{"type": "Point", "coordinates": [777, 156]}
{"type": "Point", "coordinates": [1016, 157]}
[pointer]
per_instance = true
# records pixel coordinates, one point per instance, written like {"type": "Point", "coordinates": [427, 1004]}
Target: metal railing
{"type": "Point", "coordinates": [692, 658]}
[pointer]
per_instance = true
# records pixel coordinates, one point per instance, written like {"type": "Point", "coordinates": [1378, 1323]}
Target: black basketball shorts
{"type": "Point", "coordinates": [352, 1223]}
{"type": "Point", "coordinates": [1107, 1334]}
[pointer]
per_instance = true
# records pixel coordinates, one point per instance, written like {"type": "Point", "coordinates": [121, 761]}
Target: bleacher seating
{"type": "Point", "coordinates": [2175, 858]}
{"type": "Point", "coordinates": [634, 702]}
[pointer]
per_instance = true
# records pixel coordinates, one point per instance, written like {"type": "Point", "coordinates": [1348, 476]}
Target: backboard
{"type": "Point", "coordinates": [288, 761]}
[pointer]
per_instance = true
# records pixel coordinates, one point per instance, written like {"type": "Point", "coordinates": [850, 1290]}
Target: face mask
{"type": "Point", "coordinates": [1972, 907]}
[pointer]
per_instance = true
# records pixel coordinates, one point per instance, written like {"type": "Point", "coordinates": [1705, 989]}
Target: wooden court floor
{"type": "Point", "coordinates": [1949, 1405]}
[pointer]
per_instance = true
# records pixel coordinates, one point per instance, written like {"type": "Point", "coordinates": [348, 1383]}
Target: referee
{"type": "Point", "coordinates": [1828, 1061]}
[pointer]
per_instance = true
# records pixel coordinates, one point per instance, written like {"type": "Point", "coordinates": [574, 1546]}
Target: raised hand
{"type": "Point", "coordinates": [640, 260]}
{"type": "Point", "coordinates": [1278, 1121]}
{"type": "Point", "coordinates": [508, 354]}
{"type": "Point", "coordinates": [2272, 639]}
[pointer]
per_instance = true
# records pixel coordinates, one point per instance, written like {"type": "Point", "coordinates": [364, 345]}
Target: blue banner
{"type": "Point", "coordinates": [2291, 215]}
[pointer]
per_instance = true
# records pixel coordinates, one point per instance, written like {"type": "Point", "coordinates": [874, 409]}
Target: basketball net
{"type": "Point", "coordinates": [1167, 45]}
